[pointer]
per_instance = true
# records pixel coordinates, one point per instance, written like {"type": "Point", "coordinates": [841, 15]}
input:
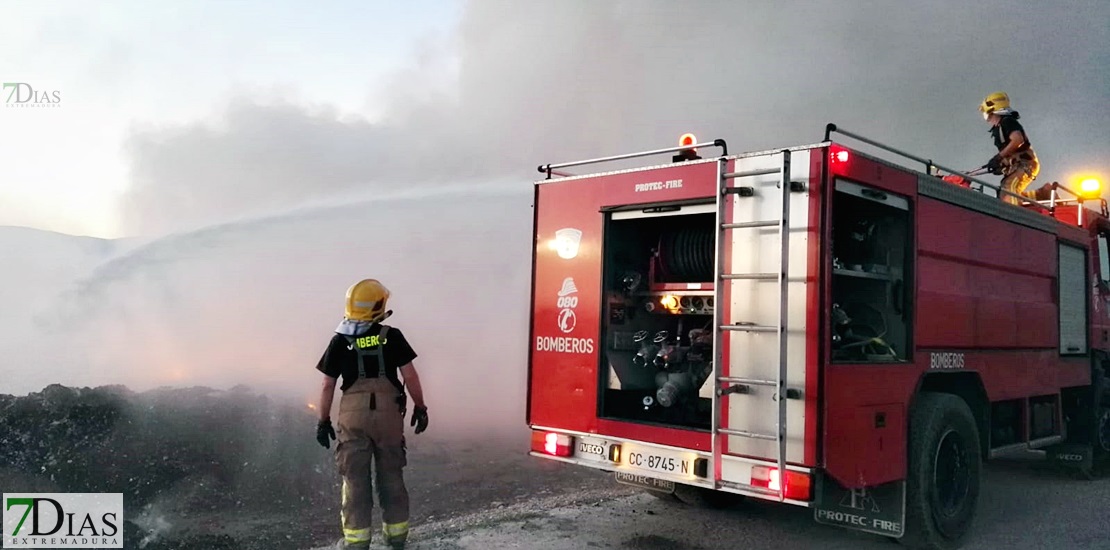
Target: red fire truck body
{"type": "Point", "coordinates": [915, 327]}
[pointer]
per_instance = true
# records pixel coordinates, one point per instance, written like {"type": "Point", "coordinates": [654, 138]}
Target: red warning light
{"type": "Point", "coordinates": [687, 140]}
{"type": "Point", "coordinates": [839, 156]}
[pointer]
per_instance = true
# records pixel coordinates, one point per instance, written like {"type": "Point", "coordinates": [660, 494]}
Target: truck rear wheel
{"type": "Point", "coordinates": [945, 461]}
{"type": "Point", "coordinates": [1102, 448]}
{"type": "Point", "coordinates": [1101, 437]}
{"type": "Point", "coordinates": [1086, 452]}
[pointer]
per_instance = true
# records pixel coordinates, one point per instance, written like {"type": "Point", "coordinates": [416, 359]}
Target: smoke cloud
{"type": "Point", "coordinates": [525, 84]}
{"type": "Point", "coordinates": [255, 301]}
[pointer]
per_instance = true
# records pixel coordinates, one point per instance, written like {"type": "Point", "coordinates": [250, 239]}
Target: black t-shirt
{"type": "Point", "coordinates": [1007, 126]}
{"type": "Point", "coordinates": [341, 359]}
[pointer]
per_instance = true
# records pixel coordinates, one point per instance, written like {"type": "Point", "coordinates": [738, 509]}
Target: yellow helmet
{"type": "Point", "coordinates": [366, 301]}
{"type": "Point", "coordinates": [994, 102]}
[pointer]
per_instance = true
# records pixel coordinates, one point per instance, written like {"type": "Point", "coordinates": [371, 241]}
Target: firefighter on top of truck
{"type": "Point", "coordinates": [368, 355]}
{"type": "Point", "coordinates": [1015, 162]}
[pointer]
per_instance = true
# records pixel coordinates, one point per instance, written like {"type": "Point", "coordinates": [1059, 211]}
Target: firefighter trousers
{"type": "Point", "coordinates": [371, 431]}
{"type": "Point", "coordinates": [1018, 172]}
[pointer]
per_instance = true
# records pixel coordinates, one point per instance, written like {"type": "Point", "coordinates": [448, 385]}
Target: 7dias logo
{"type": "Point", "coordinates": [22, 94]}
{"type": "Point", "coordinates": [566, 301]}
{"type": "Point", "coordinates": [63, 520]}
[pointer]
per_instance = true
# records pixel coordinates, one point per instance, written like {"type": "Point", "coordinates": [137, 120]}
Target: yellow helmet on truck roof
{"type": "Point", "coordinates": [994, 102]}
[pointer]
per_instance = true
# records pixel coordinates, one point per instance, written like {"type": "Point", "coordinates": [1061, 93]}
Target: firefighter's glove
{"type": "Point", "coordinates": [419, 419]}
{"type": "Point", "coordinates": [995, 165]}
{"type": "Point", "coordinates": [323, 432]}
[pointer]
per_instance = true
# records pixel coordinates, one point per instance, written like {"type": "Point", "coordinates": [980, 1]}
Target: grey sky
{"type": "Point", "coordinates": [507, 85]}
{"type": "Point", "coordinates": [125, 66]}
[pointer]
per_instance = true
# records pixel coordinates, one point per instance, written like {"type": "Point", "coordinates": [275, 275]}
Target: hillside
{"type": "Point", "coordinates": [38, 262]}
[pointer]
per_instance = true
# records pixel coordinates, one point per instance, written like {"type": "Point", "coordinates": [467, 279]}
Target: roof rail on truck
{"type": "Point", "coordinates": [931, 167]}
{"type": "Point", "coordinates": [551, 169]}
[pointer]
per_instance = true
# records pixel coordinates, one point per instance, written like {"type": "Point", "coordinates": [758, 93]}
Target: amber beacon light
{"type": "Point", "coordinates": [688, 151]}
{"type": "Point", "coordinates": [1090, 187]}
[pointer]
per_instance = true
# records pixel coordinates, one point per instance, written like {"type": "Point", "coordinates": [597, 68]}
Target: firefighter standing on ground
{"type": "Point", "coordinates": [1015, 162]}
{"type": "Point", "coordinates": [368, 356]}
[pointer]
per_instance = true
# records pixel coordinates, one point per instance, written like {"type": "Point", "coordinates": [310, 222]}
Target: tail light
{"type": "Point", "coordinates": [552, 443]}
{"type": "Point", "coordinates": [798, 484]}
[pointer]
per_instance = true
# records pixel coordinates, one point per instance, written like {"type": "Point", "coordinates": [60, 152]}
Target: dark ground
{"type": "Point", "coordinates": [234, 470]}
{"type": "Point", "coordinates": [1025, 504]}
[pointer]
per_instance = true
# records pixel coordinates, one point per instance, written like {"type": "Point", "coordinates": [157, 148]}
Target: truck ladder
{"type": "Point", "coordinates": [739, 386]}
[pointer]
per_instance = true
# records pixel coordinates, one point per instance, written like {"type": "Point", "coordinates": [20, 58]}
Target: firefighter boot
{"type": "Point", "coordinates": [344, 544]}
{"type": "Point", "coordinates": [396, 541]}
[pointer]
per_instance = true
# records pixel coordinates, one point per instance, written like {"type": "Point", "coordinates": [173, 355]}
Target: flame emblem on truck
{"type": "Point", "coordinates": [568, 287]}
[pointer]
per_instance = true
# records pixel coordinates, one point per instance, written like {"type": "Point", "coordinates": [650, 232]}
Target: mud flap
{"type": "Point", "coordinates": [880, 510]}
{"type": "Point", "coordinates": [1080, 457]}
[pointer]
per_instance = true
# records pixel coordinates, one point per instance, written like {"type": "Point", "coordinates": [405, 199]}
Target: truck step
{"type": "Point", "coordinates": [750, 173]}
{"type": "Point", "coordinates": [752, 435]}
{"type": "Point", "coordinates": [750, 225]}
{"type": "Point", "coordinates": [747, 381]}
{"type": "Point", "coordinates": [750, 328]}
{"type": "Point", "coordinates": [749, 488]}
{"type": "Point", "coordinates": [752, 276]}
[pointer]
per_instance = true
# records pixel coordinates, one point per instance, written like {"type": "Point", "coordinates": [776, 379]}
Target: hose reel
{"type": "Point", "coordinates": [687, 254]}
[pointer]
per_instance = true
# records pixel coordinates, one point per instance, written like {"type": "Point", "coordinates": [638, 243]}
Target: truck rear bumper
{"type": "Point", "coordinates": [754, 477]}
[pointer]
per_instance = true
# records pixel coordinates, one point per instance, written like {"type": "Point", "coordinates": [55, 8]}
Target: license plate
{"type": "Point", "coordinates": [665, 462]}
{"type": "Point", "coordinates": [645, 482]}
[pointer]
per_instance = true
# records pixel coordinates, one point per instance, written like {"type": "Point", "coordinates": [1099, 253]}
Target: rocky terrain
{"type": "Point", "coordinates": [237, 470]}
{"type": "Point", "coordinates": [175, 454]}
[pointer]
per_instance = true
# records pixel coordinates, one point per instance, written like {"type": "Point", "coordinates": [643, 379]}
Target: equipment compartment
{"type": "Point", "coordinates": [870, 301]}
{"type": "Point", "coordinates": [657, 325]}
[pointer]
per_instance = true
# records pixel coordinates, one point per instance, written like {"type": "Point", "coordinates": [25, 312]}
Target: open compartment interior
{"type": "Point", "coordinates": [657, 335]}
{"type": "Point", "coordinates": [870, 312]}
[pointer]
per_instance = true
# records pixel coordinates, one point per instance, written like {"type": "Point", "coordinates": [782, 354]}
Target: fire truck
{"type": "Point", "coordinates": [827, 326]}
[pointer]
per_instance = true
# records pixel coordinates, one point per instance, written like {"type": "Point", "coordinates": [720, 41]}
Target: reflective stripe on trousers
{"type": "Point", "coordinates": [394, 531]}
{"type": "Point", "coordinates": [368, 436]}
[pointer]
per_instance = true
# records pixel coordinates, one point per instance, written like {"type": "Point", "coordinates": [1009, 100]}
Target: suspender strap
{"type": "Point", "coordinates": [380, 351]}
{"type": "Point", "coordinates": [373, 349]}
